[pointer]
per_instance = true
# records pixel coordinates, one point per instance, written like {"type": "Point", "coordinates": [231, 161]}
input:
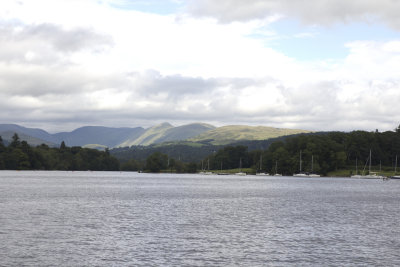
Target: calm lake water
{"type": "Point", "coordinates": [130, 219]}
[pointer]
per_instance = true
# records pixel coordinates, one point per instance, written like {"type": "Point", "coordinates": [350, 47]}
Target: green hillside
{"type": "Point", "coordinates": [7, 136]}
{"type": "Point", "coordinates": [162, 133]}
{"type": "Point", "coordinates": [184, 132]}
{"type": "Point", "coordinates": [229, 134]}
{"type": "Point", "coordinates": [149, 136]}
{"type": "Point", "coordinates": [95, 146]}
{"type": "Point", "coordinates": [165, 132]}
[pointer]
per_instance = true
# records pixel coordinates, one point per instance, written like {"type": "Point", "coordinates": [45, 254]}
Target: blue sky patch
{"type": "Point", "coordinates": [149, 6]}
{"type": "Point", "coordinates": [323, 42]}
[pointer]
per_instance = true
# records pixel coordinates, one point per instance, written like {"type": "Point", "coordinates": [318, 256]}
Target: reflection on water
{"type": "Point", "coordinates": [125, 219]}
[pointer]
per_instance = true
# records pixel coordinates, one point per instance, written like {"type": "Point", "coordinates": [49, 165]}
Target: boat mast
{"type": "Point", "coordinates": [395, 167]}
{"type": "Point", "coordinates": [356, 167]}
{"type": "Point", "coordinates": [300, 161]}
{"type": "Point", "coordinates": [312, 163]}
{"type": "Point", "coordinates": [370, 159]}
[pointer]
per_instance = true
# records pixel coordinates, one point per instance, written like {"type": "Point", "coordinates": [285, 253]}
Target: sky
{"type": "Point", "coordinates": [320, 65]}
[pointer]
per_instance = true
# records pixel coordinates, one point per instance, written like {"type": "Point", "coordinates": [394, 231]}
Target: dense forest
{"type": "Point", "coordinates": [186, 151]}
{"type": "Point", "coordinates": [19, 155]}
{"type": "Point", "coordinates": [330, 152]}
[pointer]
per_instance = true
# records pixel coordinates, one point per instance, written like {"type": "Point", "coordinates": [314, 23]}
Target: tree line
{"type": "Point", "coordinates": [328, 152]}
{"type": "Point", "coordinates": [19, 155]}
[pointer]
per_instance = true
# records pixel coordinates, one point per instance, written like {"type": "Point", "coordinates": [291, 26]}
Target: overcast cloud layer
{"type": "Point", "coordinates": [308, 11]}
{"type": "Point", "coordinates": [65, 64]}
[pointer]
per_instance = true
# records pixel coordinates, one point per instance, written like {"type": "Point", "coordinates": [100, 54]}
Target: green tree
{"type": "Point", "coordinates": [2, 150]}
{"type": "Point", "coordinates": [63, 146]}
{"type": "Point", "coordinates": [15, 141]}
{"type": "Point", "coordinates": [130, 166]}
{"type": "Point", "coordinates": [156, 162]}
{"type": "Point", "coordinates": [190, 167]}
{"type": "Point", "coordinates": [17, 160]}
{"type": "Point", "coordinates": [179, 166]}
{"type": "Point", "coordinates": [2, 147]}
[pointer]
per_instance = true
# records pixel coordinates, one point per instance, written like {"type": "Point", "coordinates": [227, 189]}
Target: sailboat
{"type": "Point", "coordinates": [276, 169]}
{"type": "Point", "coordinates": [240, 169]}
{"type": "Point", "coordinates": [370, 175]}
{"type": "Point", "coordinates": [356, 175]}
{"type": "Point", "coordinates": [261, 173]}
{"type": "Point", "coordinates": [312, 174]}
{"type": "Point", "coordinates": [202, 168]}
{"type": "Point", "coordinates": [208, 172]}
{"type": "Point", "coordinates": [300, 174]}
{"type": "Point", "coordinates": [395, 171]}
{"type": "Point", "coordinates": [222, 173]}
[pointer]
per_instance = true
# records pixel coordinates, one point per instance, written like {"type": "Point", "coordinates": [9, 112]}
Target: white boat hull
{"type": "Point", "coordinates": [367, 176]}
{"type": "Point", "coordinates": [306, 175]}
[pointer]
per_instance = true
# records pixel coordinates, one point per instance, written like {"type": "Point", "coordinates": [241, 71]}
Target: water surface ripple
{"type": "Point", "coordinates": [130, 219]}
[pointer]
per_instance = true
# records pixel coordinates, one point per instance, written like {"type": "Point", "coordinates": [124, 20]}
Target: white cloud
{"type": "Point", "coordinates": [81, 63]}
{"type": "Point", "coordinates": [324, 12]}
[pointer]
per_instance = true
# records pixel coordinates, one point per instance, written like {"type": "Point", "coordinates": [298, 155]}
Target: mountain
{"type": "Point", "coordinates": [233, 133]}
{"type": "Point", "coordinates": [101, 137]}
{"type": "Point", "coordinates": [32, 132]}
{"type": "Point", "coordinates": [149, 136]}
{"type": "Point", "coordinates": [105, 136]}
{"type": "Point", "coordinates": [184, 132]}
{"type": "Point", "coordinates": [165, 132]}
{"type": "Point", "coordinates": [7, 138]}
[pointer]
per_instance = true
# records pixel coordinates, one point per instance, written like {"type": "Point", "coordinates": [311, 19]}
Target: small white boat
{"type": "Point", "coordinates": [240, 169]}
{"type": "Point", "coordinates": [309, 175]}
{"type": "Point", "coordinates": [276, 169]}
{"type": "Point", "coordinates": [208, 172]}
{"type": "Point", "coordinates": [312, 174]}
{"type": "Point", "coordinates": [356, 175]}
{"type": "Point", "coordinates": [395, 171]}
{"type": "Point", "coordinates": [370, 175]}
{"type": "Point", "coordinates": [300, 175]}
{"type": "Point", "coordinates": [260, 173]}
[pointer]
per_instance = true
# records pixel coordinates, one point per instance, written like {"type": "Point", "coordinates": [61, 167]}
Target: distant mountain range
{"type": "Point", "coordinates": [98, 136]}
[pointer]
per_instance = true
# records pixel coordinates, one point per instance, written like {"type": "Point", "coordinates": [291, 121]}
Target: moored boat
{"type": "Point", "coordinates": [240, 169]}
{"type": "Point", "coordinates": [370, 175]}
{"type": "Point", "coordinates": [306, 174]}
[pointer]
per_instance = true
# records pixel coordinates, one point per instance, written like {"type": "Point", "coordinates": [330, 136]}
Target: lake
{"type": "Point", "coordinates": [132, 219]}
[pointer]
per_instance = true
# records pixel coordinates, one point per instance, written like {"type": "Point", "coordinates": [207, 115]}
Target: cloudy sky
{"type": "Point", "coordinates": [308, 64]}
